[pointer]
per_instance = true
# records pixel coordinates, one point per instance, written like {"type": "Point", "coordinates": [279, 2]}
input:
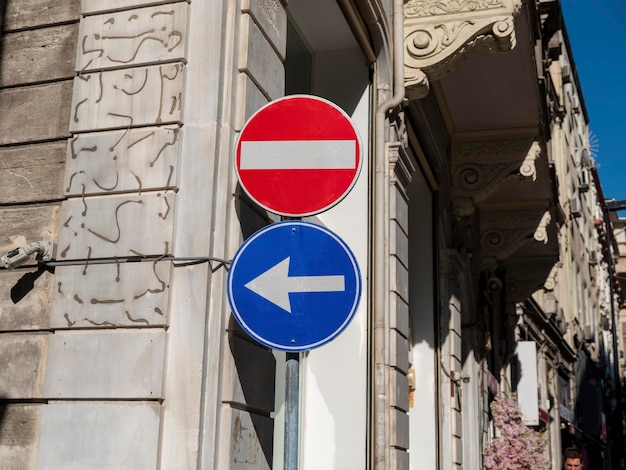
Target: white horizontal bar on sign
{"type": "Point", "coordinates": [298, 155]}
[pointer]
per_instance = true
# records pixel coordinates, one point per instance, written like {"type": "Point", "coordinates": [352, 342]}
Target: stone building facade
{"type": "Point", "coordinates": [118, 125]}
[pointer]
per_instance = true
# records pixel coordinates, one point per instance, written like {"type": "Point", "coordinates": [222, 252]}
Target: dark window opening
{"type": "Point", "coordinates": [298, 63]}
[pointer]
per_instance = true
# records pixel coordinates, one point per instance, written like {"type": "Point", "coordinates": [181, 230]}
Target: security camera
{"type": "Point", "coordinates": [494, 284]}
{"type": "Point", "coordinates": [15, 258]}
{"type": "Point", "coordinates": [46, 251]}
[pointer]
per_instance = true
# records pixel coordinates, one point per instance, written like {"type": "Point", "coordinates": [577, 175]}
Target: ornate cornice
{"type": "Point", "coordinates": [438, 34]}
{"type": "Point", "coordinates": [479, 168]}
{"type": "Point", "coordinates": [525, 276]}
{"type": "Point", "coordinates": [427, 8]}
{"type": "Point", "coordinates": [503, 232]}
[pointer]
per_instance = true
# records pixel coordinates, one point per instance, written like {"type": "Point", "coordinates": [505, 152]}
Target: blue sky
{"type": "Point", "coordinates": [597, 32]}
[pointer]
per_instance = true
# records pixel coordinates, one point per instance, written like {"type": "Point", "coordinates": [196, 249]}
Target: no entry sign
{"type": "Point", "coordinates": [298, 155]}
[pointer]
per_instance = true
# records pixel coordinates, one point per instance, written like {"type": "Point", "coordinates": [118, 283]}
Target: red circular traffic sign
{"type": "Point", "coordinates": [298, 155]}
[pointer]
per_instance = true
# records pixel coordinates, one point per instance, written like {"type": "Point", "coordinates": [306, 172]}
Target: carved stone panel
{"type": "Point", "coordinates": [127, 98]}
{"type": "Point", "coordinates": [480, 167]}
{"type": "Point", "coordinates": [525, 276]}
{"type": "Point", "coordinates": [439, 34]}
{"type": "Point", "coordinates": [505, 231]}
{"type": "Point", "coordinates": [117, 294]}
{"type": "Point", "coordinates": [122, 161]}
{"type": "Point", "coordinates": [132, 37]}
{"type": "Point", "coordinates": [116, 226]}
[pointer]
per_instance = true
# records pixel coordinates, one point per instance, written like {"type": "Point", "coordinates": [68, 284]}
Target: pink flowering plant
{"type": "Point", "coordinates": [516, 447]}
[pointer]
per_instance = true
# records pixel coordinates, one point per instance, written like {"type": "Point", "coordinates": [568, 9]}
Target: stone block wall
{"type": "Point", "coordinates": [116, 130]}
{"type": "Point", "coordinates": [37, 52]}
{"type": "Point", "coordinates": [109, 317]}
{"type": "Point", "coordinates": [84, 345]}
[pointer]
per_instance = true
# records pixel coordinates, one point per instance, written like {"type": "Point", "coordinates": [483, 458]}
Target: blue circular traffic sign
{"type": "Point", "coordinates": [294, 286]}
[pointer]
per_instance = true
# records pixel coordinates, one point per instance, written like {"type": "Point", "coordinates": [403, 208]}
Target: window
{"type": "Point", "coordinates": [564, 391]}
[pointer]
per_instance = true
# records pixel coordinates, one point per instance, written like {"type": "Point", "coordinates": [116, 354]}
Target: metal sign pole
{"type": "Point", "coordinates": [299, 129]}
{"type": "Point", "coordinates": [292, 394]}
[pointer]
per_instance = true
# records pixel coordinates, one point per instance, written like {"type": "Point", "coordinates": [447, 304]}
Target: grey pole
{"type": "Point", "coordinates": [292, 395]}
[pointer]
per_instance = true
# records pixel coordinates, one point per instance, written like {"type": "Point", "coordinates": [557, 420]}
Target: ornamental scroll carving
{"type": "Point", "coordinates": [129, 160]}
{"type": "Point", "coordinates": [127, 98]}
{"type": "Point", "coordinates": [122, 168]}
{"type": "Point", "coordinates": [479, 168]}
{"type": "Point", "coordinates": [504, 232]}
{"type": "Point", "coordinates": [130, 38]}
{"type": "Point", "coordinates": [552, 279]}
{"type": "Point", "coordinates": [525, 276]}
{"type": "Point", "coordinates": [116, 226]}
{"type": "Point", "coordinates": [438, 34]}
{"type": "Point", "coordinates": [117, 294]}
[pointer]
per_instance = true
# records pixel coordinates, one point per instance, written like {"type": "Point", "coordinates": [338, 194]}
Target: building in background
{"type": "Point", "coordinates": [477, 222]}
{"type": "Point", "coordinates": [615, 324]}
{"type": "Point", "coordinates": [619, 231]}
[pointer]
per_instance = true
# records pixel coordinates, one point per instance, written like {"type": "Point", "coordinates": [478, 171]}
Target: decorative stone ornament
{"type": "Point", "coordinates": [480, 167]}
{"type": "Point", "coordinates": [503, 232]}
{"type": "Point", "coordinates": [526, 275]}
{"type": "Point", "coordinates": [438, 34]}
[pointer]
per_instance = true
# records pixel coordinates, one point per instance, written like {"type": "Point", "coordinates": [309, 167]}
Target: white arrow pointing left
{"type": "Point", "coordinates": [275, 284]}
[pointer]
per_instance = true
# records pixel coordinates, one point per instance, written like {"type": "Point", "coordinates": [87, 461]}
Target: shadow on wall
{"type": "Point", "coordinates": [590, 412]}
{"type": "Point", "coordinates": [252, 395]}
{"type": "Point", "coordinates": [589, 396]}
{"type": "Point", "coordinates": [3, 409]}
{"type": "Point", "coordinates": [251, 216]}
{"type": "Point", "coordinates": [252, 426]}
{"type": "Point", "coordinates": [27, 282]}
